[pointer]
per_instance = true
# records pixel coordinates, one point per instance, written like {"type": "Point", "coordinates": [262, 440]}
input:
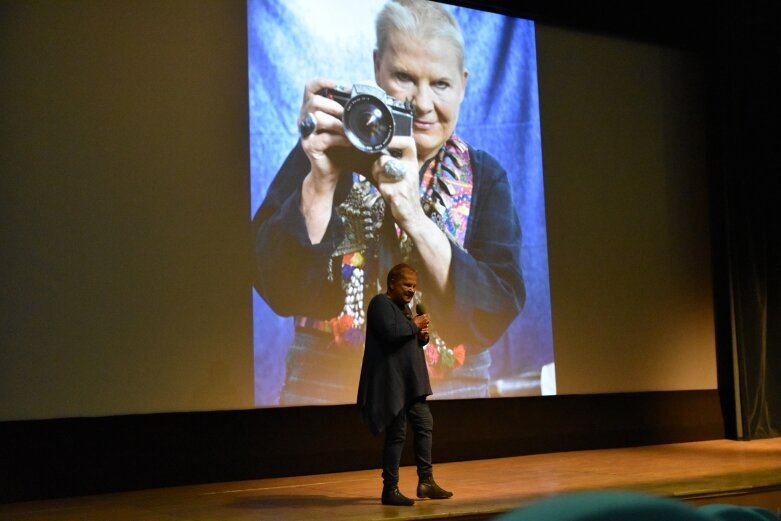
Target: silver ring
{"type": "Point", "coordinates": [395, 168]}
{"type": "Point", "coordinates": [307, 125]}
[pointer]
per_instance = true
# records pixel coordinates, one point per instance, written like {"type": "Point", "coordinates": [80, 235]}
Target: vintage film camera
{"type": "Point", "coordinates": [371, 117]}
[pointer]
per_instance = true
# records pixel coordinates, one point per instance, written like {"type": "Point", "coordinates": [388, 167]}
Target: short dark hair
{"type": "Point", "coordinates": [395, 273]}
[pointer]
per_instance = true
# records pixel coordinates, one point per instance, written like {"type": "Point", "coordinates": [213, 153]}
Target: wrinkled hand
{"type": "Point", "coordinates": [328, 132]}
{"type": "Point", "coordinates": [402, 195]}
{"type": "Point", "coordinates": [321, 147]}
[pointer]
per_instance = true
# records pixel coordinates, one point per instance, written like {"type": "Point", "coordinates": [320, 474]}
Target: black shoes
{"type": "Point", "coordinates": [392, 496]}
{"type": "Point", "coordinates": [428, 488]}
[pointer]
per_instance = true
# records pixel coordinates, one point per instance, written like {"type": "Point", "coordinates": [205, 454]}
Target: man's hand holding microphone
{"type": "Point", "coordinates": [422, 321]}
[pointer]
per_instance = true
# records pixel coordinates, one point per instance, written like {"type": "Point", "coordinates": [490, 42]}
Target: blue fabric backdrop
{"type": "Point", "coordinates": [293, 41]}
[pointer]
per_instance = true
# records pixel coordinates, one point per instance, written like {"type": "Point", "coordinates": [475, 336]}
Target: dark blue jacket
{"type": "Point", "coordinates": [486, 291]}
{"type": "Point", "coordinates": [394, 371]}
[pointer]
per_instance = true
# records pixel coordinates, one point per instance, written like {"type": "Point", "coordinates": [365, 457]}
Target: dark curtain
{"type": "Point", "coordinates": [744, 57]}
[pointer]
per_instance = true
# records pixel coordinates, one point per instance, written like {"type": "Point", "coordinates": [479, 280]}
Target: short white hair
{"type": "Point", "coordinates": [423, 19]}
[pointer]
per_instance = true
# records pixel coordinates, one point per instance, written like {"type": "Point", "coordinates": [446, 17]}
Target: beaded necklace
{"type": "Point", "coordinates": [446, 196]}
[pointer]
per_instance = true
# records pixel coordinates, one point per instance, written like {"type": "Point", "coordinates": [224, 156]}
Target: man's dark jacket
{"type": "Point", "coordinates": [394, 369]}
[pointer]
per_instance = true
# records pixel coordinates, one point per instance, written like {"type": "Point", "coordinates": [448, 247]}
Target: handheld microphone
{"type": "Point", "coordinates": [420, 309]}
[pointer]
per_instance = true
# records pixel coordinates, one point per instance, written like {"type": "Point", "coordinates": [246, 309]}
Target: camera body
{"type": "Point", "coordinates": [371, 117]}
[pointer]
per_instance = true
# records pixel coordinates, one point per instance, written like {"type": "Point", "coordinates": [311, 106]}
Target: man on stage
{"type": "Point", "coordinates": [394, 384]}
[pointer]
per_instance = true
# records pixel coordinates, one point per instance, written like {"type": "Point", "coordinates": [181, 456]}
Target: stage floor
{"type": "Point", "coordinates": [718, 471]}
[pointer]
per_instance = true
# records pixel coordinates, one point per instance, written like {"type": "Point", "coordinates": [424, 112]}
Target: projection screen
{"type": "Point", "coordinates": [493, 321]}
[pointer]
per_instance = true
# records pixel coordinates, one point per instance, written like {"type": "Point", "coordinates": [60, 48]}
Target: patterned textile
{"type": "Point", "coordinates": [312, 354]}
{"type": "Point", "coordinates": [446, 195]}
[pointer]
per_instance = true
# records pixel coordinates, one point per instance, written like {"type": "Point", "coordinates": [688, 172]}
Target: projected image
{"type": "Point", "coordinates": [373, 144]}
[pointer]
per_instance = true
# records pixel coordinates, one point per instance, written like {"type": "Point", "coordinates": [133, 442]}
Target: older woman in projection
{"type": "Point", "coordinates": [335, 219]}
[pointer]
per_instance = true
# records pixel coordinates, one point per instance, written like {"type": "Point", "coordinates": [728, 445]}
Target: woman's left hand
{"type": "Point", "coordinates": [401, 194]}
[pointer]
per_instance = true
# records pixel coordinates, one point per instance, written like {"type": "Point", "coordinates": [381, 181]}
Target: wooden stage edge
{"type": "Point", "coordinates": [716, 471]}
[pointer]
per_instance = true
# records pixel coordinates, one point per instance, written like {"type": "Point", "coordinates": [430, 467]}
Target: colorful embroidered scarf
{"type": "Point", "coordinates": [446, 196]}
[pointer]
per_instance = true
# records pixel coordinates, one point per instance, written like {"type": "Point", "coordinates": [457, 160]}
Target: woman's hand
{"type": "Point", "coordinates": [403, 197]}
{"type": "Point", "coordinates": [402, 194]}
{"type": "Point", "coordinates": [319, 186]}
{"type": "Point", "coordinates": [328, 130]}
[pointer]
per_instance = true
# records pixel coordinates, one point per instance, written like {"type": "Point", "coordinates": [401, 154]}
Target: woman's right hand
{"type": "Point", "coordinates": [317, 191]}
{"type": "Point", "coordinates": [328, 132]}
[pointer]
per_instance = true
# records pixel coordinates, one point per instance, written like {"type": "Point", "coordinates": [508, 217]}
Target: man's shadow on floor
{"type": "Point", "coordinates": [302, 501]}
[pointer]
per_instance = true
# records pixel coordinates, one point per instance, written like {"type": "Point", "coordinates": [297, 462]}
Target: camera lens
{"type": "Point", "coordinates": [368, 123]}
